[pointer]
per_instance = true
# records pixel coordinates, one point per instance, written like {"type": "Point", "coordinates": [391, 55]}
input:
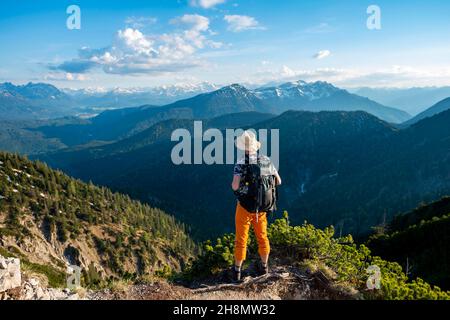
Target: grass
{"type": "Point", "coordinates": [55, 277]}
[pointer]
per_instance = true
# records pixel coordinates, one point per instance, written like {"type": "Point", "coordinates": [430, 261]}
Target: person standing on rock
{"type": "Point", "coordinates": [255, 179]}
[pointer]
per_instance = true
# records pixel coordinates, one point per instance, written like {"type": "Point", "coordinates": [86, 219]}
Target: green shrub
{"type": "Point", "coordinates": [346, 259]}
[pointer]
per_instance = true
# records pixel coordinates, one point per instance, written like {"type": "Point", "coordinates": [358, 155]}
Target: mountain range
{"type": "Point", "coordinates": [49, 102]}
{"type": "Point", "coordinates": [341, 168]}
{"type": "Point", "coordinates": [44, 101]}
{"type": "Point", "coordinates": [323, 96]}
{"type": "Point", "coordinates": [317, 96]}
{"type": "Point", "coordinates": [112, 125]}
{"type": "Point", "coordinates": [32, 101]}
{"type": "Point", "coordinates": [411, 100]}
{"type": "Point", "coordinates": [100, 98]}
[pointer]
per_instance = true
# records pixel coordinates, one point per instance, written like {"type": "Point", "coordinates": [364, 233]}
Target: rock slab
{"type": "Point", "coordinates": [10, 276]}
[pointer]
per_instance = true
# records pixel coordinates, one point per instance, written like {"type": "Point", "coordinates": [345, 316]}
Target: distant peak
{"type": "Point", "coordinates": [234, 87]}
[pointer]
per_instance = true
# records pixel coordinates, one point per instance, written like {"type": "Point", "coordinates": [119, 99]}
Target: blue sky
{"type": "Point", "coordinates": [150, 43]}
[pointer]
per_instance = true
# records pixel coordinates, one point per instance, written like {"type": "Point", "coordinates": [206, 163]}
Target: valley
{"type": "Point", "coordinates": [341, 166]}
{"type": "Point", "coordinates": [184, 150]}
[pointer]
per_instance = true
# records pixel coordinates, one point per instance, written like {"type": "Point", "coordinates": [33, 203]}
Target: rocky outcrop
{"type": "Point", "coordinates": [32, 290]}
{"type": "Point", "coordinates": [14, 286]}
{"type": "Point", "coordinates": [10, 276]}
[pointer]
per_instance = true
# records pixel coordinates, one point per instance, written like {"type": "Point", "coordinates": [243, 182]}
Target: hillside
{"type": "Point", "coordinates": [439, 107]}
{"type": "Point", "coordinates": [391, 176]}
{"type": "Point", "coordinates": [418, 240]}
{"type": "Point", "coordinates": [157, 133]}
{"type": "Point", "coordinates": [112, 125]}
{"type": "Point", "coordinates": [50, 220]}
{"type": "Point", "coordinates": [348, 169]}
{"type": "Point", "coordinates": [33, 101]}
{"type": "Point", "coordinates": [320, 264]}
{"type": "Point", "coordinates": [306, 264]}
{"type": "Point", "coordinates": [313, 146]}
{"type": "Point", "coordinates": [19, 136]}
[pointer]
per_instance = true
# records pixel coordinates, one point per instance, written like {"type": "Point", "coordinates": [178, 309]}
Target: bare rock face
{"type": "Point", "coordinates": [12, 288]}
{"type": "Point", "coordinates": [32, 290]}
{"type": "Point", "coordinates": [10, 276]}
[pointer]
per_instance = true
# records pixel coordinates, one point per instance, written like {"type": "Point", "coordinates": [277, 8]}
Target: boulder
{"type": "Point", "coordinates": [10, 276]}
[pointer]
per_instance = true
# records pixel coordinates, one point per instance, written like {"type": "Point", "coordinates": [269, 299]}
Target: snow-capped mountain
{"type": "Point", "coordinates": [128, 97]}
{"type": "Point", "coordinates": [230, 99]}
{"type": "Point", "coordinates": [323, 96]}
{"type": "Point", "coordinates": [297, 89]}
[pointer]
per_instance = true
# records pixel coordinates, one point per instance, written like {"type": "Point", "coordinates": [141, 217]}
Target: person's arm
{"type": "Point", "coordinates": [277, 178]}
{"type": "Point", "coordinates": [236, 182]}
{"type": "Point", "coordinates": [274, 171]}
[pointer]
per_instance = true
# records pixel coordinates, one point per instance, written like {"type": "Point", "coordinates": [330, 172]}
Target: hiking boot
{"type": "Point", "coordinates": [263, 269]}
{"type": "Point", "coordinates": [237, 274]}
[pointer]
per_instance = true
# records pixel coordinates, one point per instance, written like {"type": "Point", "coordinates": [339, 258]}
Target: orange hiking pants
{"type": "Point", "coordinates": [243, 221]}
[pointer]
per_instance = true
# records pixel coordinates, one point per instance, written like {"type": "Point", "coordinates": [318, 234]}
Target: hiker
{"type": "Point", "coordinates": [254, 182]}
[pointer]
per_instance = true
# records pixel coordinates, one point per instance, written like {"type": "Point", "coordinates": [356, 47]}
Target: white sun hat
{"type": "Point", "coordinates": [247, 142]}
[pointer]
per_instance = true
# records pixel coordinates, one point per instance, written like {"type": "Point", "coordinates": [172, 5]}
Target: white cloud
{"type": "Point", "coordinates": [395, 76]}
{"type": "Point", "coordinates": [322, 54]}
{"type": "Point", "coordinates": [197, 24]}
{"type": "Point", "coordinates": [133, 52]}
{"type": "Point", "coordinates": [64, 76]}
{"type": "Point", "coordinates": [134, 40]}
{"type": "Point", "coordinates": [196, 21]}
{"type": "Point", "coordinates": [400, 76]}
{"type": "Point", "coordinates": [140, 22]}
{"type": "Point", "coordinates": [237, 23]}
{"type": "Point", "coordinates": [286, 73]}
{"type": "Point", "coordinates": [320, 28]}
{"type": "Point", "coordinates": [206, 4]}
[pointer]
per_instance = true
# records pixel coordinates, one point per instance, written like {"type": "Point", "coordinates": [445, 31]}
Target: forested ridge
{"type": "Point", "coordinates": [83, 224]}
{"type": "Point", "coordinates": [419, 242]}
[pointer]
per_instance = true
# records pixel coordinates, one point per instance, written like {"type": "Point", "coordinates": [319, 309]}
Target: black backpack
{"type": "Point", "coordinates": [258, 188]}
